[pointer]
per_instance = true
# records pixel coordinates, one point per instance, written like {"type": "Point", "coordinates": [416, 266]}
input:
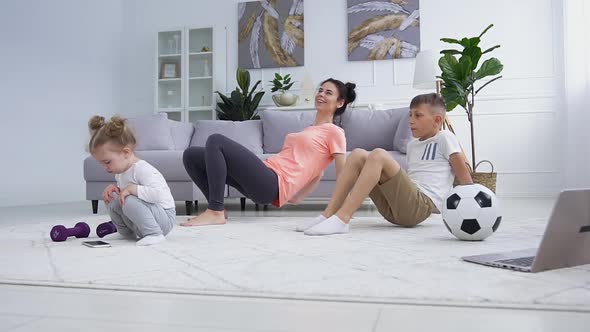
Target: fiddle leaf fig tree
{"type": "Point", "coordinates": [462, 78]}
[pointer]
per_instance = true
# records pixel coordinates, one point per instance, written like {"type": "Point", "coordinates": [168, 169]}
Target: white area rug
{"type": "Point", "coordinates": [263, 256]}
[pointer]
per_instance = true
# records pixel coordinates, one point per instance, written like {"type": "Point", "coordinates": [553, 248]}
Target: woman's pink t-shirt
{"type": "Point", "coordinates": [304, 156]}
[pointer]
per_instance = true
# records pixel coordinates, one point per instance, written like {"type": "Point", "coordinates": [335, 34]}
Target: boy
{"type": "Point", "coordinates": [404, 199]}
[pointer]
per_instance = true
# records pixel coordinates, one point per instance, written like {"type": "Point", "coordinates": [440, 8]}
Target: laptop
{"type": "Point", "coordinates": [565, 243]}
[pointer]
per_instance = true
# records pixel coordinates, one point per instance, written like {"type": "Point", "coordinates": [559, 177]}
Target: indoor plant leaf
{"type": "Point", "coordinates": [474, 53]}
{"type": "Point", "coordinates": [451, 52]}
{"type": "Point", "coordinates": [491, 49]}
{"type": "Point", "coordinates": [448, 65]}
{"type": "Point", "coordinates": [486, 30]}
{"type": "Point", "coordinates": [489, 67]}
{"type": "Point", "coordinates": [451, 41]}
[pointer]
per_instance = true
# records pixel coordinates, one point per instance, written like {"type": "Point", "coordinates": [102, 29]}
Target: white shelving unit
{"type": "Point", "coordinates": [184, 74]}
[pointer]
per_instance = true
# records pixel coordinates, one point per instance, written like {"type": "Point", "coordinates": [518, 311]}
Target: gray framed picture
{"type": "Point", "coordinates": [388, 29]}
{"type": "Point", "coordinates": [270, 34]}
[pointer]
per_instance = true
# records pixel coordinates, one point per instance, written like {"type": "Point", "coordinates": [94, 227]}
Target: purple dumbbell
{"type": "Point", "coordinates": [60, 233]}
{"type": "Point", "coordinates": [105, 229]}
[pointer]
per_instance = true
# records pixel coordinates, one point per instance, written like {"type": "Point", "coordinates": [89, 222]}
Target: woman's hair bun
{"type": "Point", "coordinates": [350, 93]}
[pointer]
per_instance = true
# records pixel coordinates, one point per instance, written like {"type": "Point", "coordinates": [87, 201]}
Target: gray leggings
{"type": "Point", "coordinates": [138, 218]}
{"type": "Point", "coordinates": [223, 161]}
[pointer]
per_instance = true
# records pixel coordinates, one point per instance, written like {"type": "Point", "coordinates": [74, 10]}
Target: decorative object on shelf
{"type": "Point", "coordinates": [205, 49]}
{"type": "Point", "coordinates": [283, 84]}
{"type": "Point", "coordinates": [170, 98]}
{"type": "Point", "coordinates": [171, 48]}
{"type": "Point", "coordinates": [271, 34]}
{"type": "Point", "coordinates": [169, 70]}
{"type": "Point", "coordinates": [459, 77]}
{"type": "Point", "coordinates": [206, 68]}
{"type": "Point", "coordinates": [380, 30]}
{"type": "Point", "coordinates": [243, 102]}
{"type": "Point", "coordinates": [176, 44]}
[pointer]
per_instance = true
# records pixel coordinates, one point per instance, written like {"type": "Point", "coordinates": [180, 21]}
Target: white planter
{"type": "Point", "coordinates": [285, 99]}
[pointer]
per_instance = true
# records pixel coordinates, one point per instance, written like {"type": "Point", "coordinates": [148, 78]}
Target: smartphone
{"type": "Point", "coordinates": [96, 244]}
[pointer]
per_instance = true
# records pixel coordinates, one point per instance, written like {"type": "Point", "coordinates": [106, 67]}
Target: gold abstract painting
{"type": "Point", "coordinates": [380, 30]}
{"type": "Point", "coordinates": [270, 34]}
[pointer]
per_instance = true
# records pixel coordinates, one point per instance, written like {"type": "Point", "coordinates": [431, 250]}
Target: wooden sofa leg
{"type": "Point", "coordinates": [243, 203]}
{"type": "Point", "coordinates": [265, 208]}
{"type": "Point", "coordinates": [257, 207]}
{"type": "Point", "coordinates": [197, 206]}
{"type": "Point", "coordinates": [95, 206]}
{"type": "Point", "coordinates": [189, 207]}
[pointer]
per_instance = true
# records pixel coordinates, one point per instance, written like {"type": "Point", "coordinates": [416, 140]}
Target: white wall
{"type": "Point", "coordinates": [61, 63]}
{"type": "Point", "coordinates": [516, 117]}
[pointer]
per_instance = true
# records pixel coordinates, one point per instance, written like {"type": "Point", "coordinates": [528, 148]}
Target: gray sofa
{"type": "Point", "coordinates": [161, 142]}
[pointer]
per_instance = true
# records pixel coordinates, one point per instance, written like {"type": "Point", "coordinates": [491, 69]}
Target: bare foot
{"type": "Point", "coordinates": [209, 217]}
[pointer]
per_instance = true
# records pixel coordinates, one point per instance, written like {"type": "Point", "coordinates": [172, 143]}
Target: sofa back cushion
{"type": "Point", "coordinates": [403, 134]}
{"type": "Point", "coordinates": [247, 133]}
{"type": "Point", "coordinates": [276, 125]}
{"type": "Point", "coordinates": [371, 129]}
{"type": "Point", "coordinates": [181, 132]}
{"type": "Point", "coordinates": [152, 132]}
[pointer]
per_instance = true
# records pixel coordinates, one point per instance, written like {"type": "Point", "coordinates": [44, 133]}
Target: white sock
{"type": "Point", "coordinates": [150, 240]}
{"type": "Point", "coordinates": [304, 225]}
{"type": "Point", "coordinates": [332, 225]}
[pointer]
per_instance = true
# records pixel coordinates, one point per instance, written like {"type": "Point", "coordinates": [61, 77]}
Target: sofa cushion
{"type": "Point", "coordinates": [169, 163]}
{"type": "Point", "coordinates": [371, 129]}
{"type": "Point", "coordinates": [181, 132]}
{"type": "Point", "coordinates": [152, 132]}
{"type": "Point", "coordinates": [247, 133]}
{"type": "Point", "coordinates": [276, 125]}
{"type": "Point", "coordinates": [403, 134]}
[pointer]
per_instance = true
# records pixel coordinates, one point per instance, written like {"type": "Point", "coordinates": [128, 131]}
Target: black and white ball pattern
{"type": "Point", "coordinates": [471, 212]}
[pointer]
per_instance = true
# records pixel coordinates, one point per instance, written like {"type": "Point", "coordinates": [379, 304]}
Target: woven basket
{"type": "Point", "coordinates": [485, 179]}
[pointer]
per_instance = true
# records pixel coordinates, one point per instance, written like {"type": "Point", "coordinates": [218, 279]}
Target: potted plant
{"type": "Point", "coordinates": [460, 73]}
{"type": "Point", "coordinates": [283, 84]}
{"type": "Point", "coordinates": [241, 105]}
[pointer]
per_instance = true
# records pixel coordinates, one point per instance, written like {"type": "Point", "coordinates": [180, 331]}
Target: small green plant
{"type": "Point", "coordinates": [281, 83]}
{"type": "Point", "coordinates": [460, 75]}
{"type": "Point", "coordinates": [241, 105]}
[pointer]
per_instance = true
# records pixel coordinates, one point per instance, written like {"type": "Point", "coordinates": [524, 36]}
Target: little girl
{"type": "Point", "coordinates": [140, 205]}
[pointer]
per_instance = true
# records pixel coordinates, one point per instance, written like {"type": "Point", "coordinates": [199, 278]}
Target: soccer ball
{"type": "Point", "coordinates": [471, 212]}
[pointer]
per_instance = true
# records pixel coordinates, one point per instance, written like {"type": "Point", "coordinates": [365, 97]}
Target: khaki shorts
{"type": "Point", "coordinates": [401, 202]}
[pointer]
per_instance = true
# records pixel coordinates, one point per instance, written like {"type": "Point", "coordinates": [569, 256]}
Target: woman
{"type": "Point", "coordinates": [288, 176]}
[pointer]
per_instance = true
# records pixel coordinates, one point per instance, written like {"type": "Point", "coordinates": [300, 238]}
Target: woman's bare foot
{"type": "Point", "coordinates": [209, 217]}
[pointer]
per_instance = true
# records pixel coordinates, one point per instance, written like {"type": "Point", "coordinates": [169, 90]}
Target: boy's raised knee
{"type": "Point", "coordinates": [357, 157]}
{"type": "Point", "coordinates": [379, 155]}
{"type": "Point", "coordinates": [358, 154]}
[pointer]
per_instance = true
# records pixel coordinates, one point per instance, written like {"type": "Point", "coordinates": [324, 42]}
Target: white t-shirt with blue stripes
{"type": "Point", "coordinates": [429, 167]}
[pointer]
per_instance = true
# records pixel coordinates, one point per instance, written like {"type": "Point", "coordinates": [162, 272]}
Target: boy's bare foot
{"type": "Point", "coordinates": [209, 217]}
